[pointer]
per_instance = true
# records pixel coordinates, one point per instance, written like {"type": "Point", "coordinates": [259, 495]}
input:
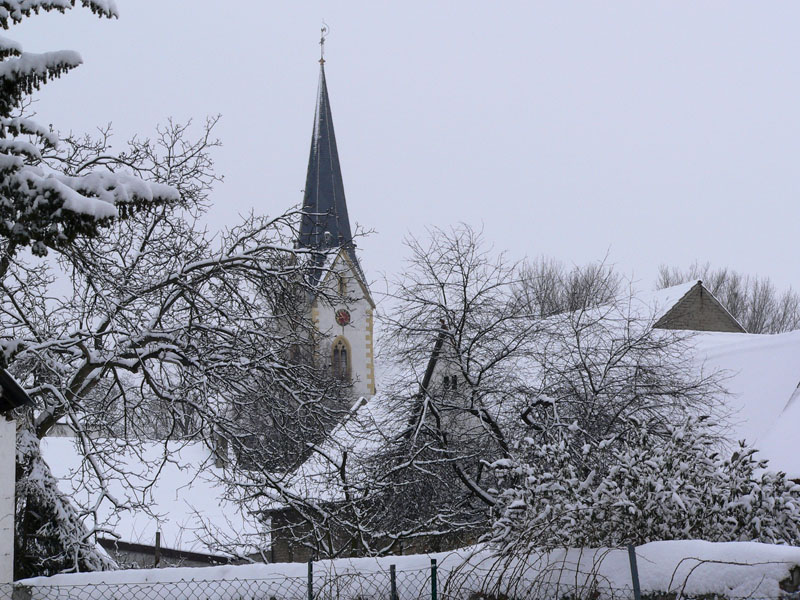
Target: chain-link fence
{"type": "Point", "coordinates": [389, 584]}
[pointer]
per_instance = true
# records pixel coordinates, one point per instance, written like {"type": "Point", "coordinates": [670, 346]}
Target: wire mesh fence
{"type": "Point", "coordinates": [380, 585]}
{"type": "Point", "coordinates": [390, 584]}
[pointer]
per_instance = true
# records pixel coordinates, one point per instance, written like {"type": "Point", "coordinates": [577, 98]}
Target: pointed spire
{"type": "Point", "coordinates": [325, 223]}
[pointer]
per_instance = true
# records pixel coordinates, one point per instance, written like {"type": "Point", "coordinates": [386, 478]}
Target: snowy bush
{"type": "Point", "coordinates": [642, 488]}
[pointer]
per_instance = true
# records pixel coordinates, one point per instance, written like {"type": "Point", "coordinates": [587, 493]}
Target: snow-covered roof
{"type": "Point", "coordinates": [780, 442]}
{"type": "Point", "coordinates": [187, 498]}
{"type": "Point", "coordinates": [762, 374]}
{"type": "Point", "coordinates": [655, 304]}
{"type": "Point", "coordinates": [361, 434]}
{"type": "Point", "coordinates": [655, 307]}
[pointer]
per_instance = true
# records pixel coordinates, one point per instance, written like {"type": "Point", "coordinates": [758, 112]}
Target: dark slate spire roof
{"type": "Point", "coordinates": [325, 223]}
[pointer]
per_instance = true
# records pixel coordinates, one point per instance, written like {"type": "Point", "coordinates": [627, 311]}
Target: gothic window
{"type": "Point", "coordinates": [340, 362]}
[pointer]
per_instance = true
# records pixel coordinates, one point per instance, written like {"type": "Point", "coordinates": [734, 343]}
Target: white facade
{"type": "Point", "coordinates": [350, 299]}
{"type": "Point", "coordinates": [8, 452]}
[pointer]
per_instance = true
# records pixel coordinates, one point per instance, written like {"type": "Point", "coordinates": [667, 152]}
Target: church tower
{"type": "Point", "coordinates": [343, 314]}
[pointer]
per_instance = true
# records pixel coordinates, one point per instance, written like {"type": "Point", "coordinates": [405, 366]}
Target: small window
{"type": "Point", "coordinates": [342, 285]}
{"type": "Point", "coordinates": [340, 360]}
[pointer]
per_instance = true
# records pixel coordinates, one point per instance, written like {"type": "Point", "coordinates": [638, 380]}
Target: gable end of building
{"type": "Point", "coordinates": [699, 310]}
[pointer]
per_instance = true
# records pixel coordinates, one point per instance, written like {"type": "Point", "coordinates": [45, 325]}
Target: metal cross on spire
{"type": "Point", "coordinates": [323, 35]}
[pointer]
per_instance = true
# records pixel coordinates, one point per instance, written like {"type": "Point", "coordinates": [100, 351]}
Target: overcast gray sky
{"type": "Point", "coordinates": [656, 132]}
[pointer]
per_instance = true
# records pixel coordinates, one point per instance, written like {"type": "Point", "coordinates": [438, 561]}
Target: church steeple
{"type": "Point", "coordinates": [343, 315]}
{"type": "Point", "coordinates": [325, 223]}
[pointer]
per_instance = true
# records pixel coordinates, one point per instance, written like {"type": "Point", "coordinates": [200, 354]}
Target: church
{"type": "Point", "coordinates": [343, 310]}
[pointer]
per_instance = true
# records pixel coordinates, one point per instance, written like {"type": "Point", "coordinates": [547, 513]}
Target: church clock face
{"type": "Point", "coordinates": [342, 317]}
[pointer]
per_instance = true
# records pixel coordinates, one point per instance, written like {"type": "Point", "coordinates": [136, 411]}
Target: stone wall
{"type": "Point", "coordinates": [698, 310]}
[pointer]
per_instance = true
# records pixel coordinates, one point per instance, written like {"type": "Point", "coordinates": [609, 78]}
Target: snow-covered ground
{"type": "Point", "coordinates": [692, 568]}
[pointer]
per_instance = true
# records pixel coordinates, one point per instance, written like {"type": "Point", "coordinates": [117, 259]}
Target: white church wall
{"type": "Point", "coordinates": [358, 332]}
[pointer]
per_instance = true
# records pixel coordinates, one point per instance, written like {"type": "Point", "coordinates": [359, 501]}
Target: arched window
{"type": "Point", "coordinates": [340, 359]}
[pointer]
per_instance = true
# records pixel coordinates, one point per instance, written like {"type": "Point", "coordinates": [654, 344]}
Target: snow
{"type": "Point", "coordinates": [17, 9]}
{"type": "Point", "coordinates": [8, 45]}
{"type": "Point", "coordinates": [186, 500]}
{"type": "Point", "coordinates": [779, 443]}
{"type": "Point", "coordinates": [369, 425]}
{"type": "Point", "coordinates": [98, 194]}
{"type": "Point", "coordinates": [762, 377]}
{"type": "Point", "coordinates": [736, 569]}
{"type": "Point", "coordinates": [22, 125]}
{"type": "Point", "coordinates": [41, 65]}
{"type": "Point", "coordinates": [761, 373]}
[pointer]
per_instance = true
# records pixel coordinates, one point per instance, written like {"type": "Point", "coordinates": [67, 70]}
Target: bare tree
{"type": "Point", "coordinates": [547, 287]}
{"type": "Point", "coordinates": [159, 331]}
{"type": "Point", "coordinates": [753, 301]}
{"type": "Point", "coordinates": [478, 372]}
{"type": "Point", "coordinates": [475, 372]}
{"type": "Point", "coordinates": [43, 208]}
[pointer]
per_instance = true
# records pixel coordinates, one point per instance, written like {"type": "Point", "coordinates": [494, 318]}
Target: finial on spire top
{"type": "Point", "coordinates": [323, 35]}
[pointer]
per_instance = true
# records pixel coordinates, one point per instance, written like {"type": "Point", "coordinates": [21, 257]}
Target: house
{"type": "Point", "coordinates": [696, 309]}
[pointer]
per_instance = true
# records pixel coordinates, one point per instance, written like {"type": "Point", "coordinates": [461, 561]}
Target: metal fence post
{"type": "Point", "coordinates": [393, 582]}
{"type": "Point", "coordinates": [157, 551]}
{"type": "Point", "coordinates": [433, 579]}
{"type": "Point", "coordinates": [637, 592]}
{"type": "Point", "coordinates": [311, 580]}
